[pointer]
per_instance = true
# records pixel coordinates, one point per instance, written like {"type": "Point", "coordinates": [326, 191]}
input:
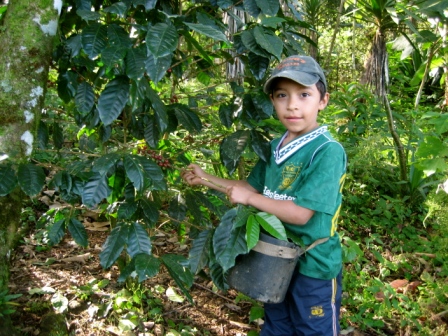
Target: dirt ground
{"type": "Point", "coordinates": [38, 274]}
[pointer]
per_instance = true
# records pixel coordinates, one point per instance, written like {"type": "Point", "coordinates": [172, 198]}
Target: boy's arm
{"type": "Point", "coordinates": [286, 211]}
{"type": "Point", "coordinates": [194, 175]}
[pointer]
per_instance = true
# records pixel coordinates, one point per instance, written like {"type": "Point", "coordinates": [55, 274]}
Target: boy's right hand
{"type": "Point", "coordinates": [193, 174]}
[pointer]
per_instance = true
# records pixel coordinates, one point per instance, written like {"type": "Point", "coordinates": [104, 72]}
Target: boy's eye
{"type": "Point", "coordinates": [305, 94]}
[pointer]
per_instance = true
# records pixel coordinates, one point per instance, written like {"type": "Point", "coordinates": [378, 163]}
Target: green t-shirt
{"type": "Point", "coordinates": [309, 170]}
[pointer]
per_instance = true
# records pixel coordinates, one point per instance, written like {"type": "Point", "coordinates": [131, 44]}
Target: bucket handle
{"type": "Point", "coordinates": [283, 251]}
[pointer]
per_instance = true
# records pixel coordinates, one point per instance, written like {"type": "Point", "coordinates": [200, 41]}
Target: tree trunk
{"type": "Point", "coordinates": [26, 44]}
{"type": "Point", "coordinates": [335, 33]}
{"type": "Point", "coordinates": [376, 75]}
{"type": "Point", "coordinates": [376, 72]}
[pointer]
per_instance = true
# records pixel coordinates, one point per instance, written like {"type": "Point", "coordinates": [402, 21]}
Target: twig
{"type": "Point", "coordinates": [215, 184]}
{"type": "Point", "coordinates": [430, 255]}
{"type": "Point", "coordinates": [222, 297]}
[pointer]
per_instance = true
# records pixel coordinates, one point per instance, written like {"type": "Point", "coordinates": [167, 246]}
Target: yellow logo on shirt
{"type": "Point", "coordinates": [317, 311]}
{"type": "Point", "coordinates": [289, 175]}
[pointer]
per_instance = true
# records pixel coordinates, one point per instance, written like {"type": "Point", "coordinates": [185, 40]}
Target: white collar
{"type": "Point", "coordinates": [283, 153]}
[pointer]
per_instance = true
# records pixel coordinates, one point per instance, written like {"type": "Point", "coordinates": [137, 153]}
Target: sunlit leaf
{"type": "Point", "coordinates": [207, 31]}
{"type": "Point", "coordinates": [161, 39]}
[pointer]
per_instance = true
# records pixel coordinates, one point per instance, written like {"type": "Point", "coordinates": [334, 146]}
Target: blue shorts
{"type": "Point", "coordinates": [311, 308]}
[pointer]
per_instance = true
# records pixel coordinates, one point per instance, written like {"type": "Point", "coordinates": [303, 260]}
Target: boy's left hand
{"type": "Point", "coordinates": [239, 194]}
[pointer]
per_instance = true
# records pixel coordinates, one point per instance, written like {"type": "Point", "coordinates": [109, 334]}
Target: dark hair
{"type": "Point", "coordinates": [320, 87]}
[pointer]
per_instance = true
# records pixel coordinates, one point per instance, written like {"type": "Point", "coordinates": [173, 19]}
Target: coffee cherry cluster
{"type": "Point", "coordinates": [159, 159]}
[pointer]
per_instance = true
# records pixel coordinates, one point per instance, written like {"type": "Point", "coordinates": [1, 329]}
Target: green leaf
{"type": "Point", "coordinates": [146, 266]}
{"type": "Point", "coordinates": [42, 135]}
{"type": "Point", "coordinates": [78, 232]}
{"type": "Point", "coordinates": [157, 67]}
{"type": "Point", "coordinates": [67, 85]}
{"type": "Point", "coordinates": [175, 264]}
{"type": "Point", "coordinates": [207, 31]}
{"type": "Point", "coordinates": [119, 8]}
{"type": "Point", "coordinates": [84, 98]}
{"type": "Point", "coordinates": [113, 99]}
{"type": "Point", "coordinates": [104, 163]}
{"type": "Point", "coordinates": [269, 41]}
{"type": "Point", "coordinates": [260, 145]}
{"type": "Point", "coordinates": [151, 132]}
{"type": "Point", "coordinates": [134, 171]}
{"type": "Point", "coordinates": [252, 232]}
{"type": "Point", "coordinates": [177, 209]}
{"type": "Point", "coordinates": [135, 62]}
{"type": "Point", "coordinates": [228, 243]}
{"type": "Point", "coordinates": [432, 147]}
{"type": "Point", "coordinates": [226, 114]}
{"type": "Point", "coordinates": [256, 312]}
{"type": "Point", "coordinates": [268, 7]}
{"type": "Point", "coordinates": [117, 182]}
{"type": "Point", "coordinates": [114, 245]}
{"type": "Point", "coordinates": [232, 147]}
{"type": "Point", "coordinates": [249, 41]}
{"type": "Point", "coordinates": [159, 108]}
{"type": "Point", "coordinates": [118, 37]}
{"type": "Point", "coordinates": [272, 22]}
{"type": "Point", "coordinates": [263, 104]}
{"type": "Point", "coordinates": [242, 215]}
{"type": "Point", "coordinates": [258, 65]}
{"type": "Point", "coordinates": [204, 54]}
{"type": "Point", "coordinates": [31, 178]}
{"type": "Point", "coordinates": [112, 55]}
{"type": "Point", "coordinates": [58, 136]}
{"type": "Point", "coordinates": [150, 211]}
{"type": "Point", "coordinates": [138, 240]}
{"type": "Point", "coordinates": [8, 179]}
{"type": "Point", "coordinates": [252, 8]}
{"type": "Point", "coordinates": [151, 169]}
{"type": "Point", "coordinates": [187, 118]}
{"type": "Point", "coordinates": [161, 39]}
{"type": "Point", "coordinates": [199, 253]}
{"type": "Point", "coordinates": [193, 206]}
{"type": "Point", "coordinates": [127, 209]}
{"type": "Point", "coordinates": [148, 4]}
{"type": "Point", "coordinates": [351, 250]}
{"type": "Point", "coordinates": [56, 232]}
{"type": "Point", "coordinates": [94, 39]}
{"type": "Point", "coordinates": [95, 190]}
{"type": "Point", "coordinates": [272, 225]}
{"type": "Point", "coordinates": [87, 15]}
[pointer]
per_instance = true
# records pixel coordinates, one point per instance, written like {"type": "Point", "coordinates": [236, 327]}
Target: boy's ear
{"type": "Point", "coordinates": [324, 101]}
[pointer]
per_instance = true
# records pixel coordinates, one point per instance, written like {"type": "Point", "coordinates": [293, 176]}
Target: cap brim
{"type": "Point", "coordinates": [300, 77]}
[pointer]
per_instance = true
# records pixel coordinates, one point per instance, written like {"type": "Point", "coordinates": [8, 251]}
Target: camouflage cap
{"type": "Point", "coordinates": [301, 69]}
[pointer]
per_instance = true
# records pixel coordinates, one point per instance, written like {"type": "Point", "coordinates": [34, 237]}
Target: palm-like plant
{"type": "Point", "coordinates": [376, 67]}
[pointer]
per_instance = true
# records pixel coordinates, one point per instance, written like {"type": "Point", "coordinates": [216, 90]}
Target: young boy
{"type": "Point", "coordinates": [301, 185]}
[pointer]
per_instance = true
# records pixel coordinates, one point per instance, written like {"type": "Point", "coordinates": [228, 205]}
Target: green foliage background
{"type": "Point", "coordinates": [139, 89]}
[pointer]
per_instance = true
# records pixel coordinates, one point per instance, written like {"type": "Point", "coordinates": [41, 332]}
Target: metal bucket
{"type": "Point", "coordinates": [265, 272]}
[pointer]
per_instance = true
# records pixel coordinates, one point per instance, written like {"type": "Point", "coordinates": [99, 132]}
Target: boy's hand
{"type": "Point", "coordinates": [193, 175]}
{"type": "Point", "coordinates": [239, 194]}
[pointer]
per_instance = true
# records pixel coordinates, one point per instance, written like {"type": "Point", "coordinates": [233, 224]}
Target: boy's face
{"type": "Point", "coordinates": [297, 106]}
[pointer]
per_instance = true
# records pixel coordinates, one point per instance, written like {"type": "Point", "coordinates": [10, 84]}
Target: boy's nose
{"type": "Point", "coordinates": [293, 103]}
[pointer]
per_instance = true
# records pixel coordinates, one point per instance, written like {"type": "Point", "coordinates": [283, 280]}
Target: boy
{"type": "Point", "coordinates": [301, 185]}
